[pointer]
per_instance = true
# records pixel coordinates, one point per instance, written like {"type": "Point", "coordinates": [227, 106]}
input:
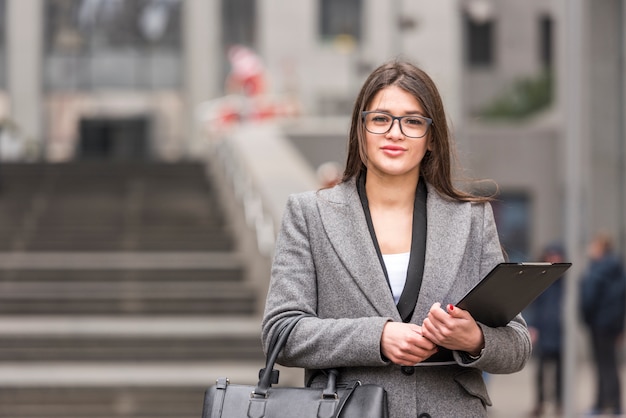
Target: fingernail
{"type": "Point", "coordinates": [450, 307]}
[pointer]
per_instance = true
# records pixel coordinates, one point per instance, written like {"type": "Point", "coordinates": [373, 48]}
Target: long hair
{"type": "Point", "coordinates": [436, 165]}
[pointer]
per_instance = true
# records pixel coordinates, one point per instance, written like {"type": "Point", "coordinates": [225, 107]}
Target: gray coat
{"type": "Point", "coordinates": [326, 264]}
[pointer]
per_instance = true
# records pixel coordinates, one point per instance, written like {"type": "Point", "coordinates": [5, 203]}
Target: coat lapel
{"type": "Point", "coordinates": [448, 229]}
{"type": "Point", "coordinates": [345, 225]}
{"type": "Point", "coordinates": [446, 239]}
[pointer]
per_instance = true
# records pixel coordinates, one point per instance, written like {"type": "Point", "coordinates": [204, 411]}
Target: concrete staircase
{"type": "Point", "coordinates": [122, 291]}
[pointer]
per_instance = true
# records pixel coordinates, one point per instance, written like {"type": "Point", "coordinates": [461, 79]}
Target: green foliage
{"type": "Point", "coordinates": [526, 97]}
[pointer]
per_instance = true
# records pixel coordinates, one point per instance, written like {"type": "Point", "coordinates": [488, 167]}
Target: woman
{"type": "Point", "coordinates": [380, 259]}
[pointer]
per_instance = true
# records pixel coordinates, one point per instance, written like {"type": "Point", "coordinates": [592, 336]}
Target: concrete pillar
{"type": "Point", "coordinates": [572, 94]}
{"type": "Point", "coordinates": [622, 127]}
{"type": "Point", "coordinates": [605, 113]}
{"type": "Point", "coordinates": [24, 20]}
{"type": "Point", "coordinates": [202, 55]}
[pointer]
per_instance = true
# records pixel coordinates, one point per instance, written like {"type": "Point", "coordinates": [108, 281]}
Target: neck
{"type": "Point", "coordinates": [390, 192]}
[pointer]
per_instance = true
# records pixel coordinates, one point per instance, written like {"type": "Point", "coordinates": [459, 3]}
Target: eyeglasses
{"type": "Point", "coordinates": [413, 126]}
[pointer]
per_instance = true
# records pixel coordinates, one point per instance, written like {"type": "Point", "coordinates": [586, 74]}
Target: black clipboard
{"type": "Point", "coordinates": [509, 288]}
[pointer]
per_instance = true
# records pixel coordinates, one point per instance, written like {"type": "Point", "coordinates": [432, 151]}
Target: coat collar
{"type": "Point", "coordinates": [447, 233]}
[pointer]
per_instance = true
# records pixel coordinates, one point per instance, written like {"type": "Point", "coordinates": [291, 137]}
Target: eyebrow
{"type": "Point", "coordinates": [409, 113]}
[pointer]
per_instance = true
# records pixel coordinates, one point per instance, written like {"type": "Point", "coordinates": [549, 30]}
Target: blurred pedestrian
{"type": "Point", "coordinates": [603, 305]}
{"type": "Point", "coordinates": [544, 318]}
{"type": "Point", "coordinates": [247, 74]}
{"type": "Point", "coordinates": [329, 174]}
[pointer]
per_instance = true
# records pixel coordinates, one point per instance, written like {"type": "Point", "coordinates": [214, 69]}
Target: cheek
{"type": "Point", "coordinates": [429, 143]}
{"type": "Point", "coordinates": [370, 144]}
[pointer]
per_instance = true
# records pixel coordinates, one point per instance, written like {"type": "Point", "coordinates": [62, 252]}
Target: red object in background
{"type": "Point", "coordinates": [247, 72]}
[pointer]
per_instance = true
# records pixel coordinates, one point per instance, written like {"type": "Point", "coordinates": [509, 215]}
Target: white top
{"type": "Point", "coordinates": [397, 266]}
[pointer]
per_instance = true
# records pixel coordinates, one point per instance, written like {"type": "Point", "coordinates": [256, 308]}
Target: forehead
{"type": "Point", "coordinates": [395, 99]}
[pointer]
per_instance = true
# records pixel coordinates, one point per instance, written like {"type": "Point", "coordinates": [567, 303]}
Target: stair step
{"type": "Point", "coordinates": [121, 294]}
{"type": "Point", "coordinates": [97, 206]}
{"type": "Point", "coordinates": [218, 304]}
{"type": "Point", "coordinates": [121, 283]}
{"type": "Point", "coordinates": [154, 375]}
{"type": "Point", "coordinates": [97, 290]}
{"type": "Point", "coordinates": [97, 244]}
{"type": "Point", "coordinates": [118, 402]}
{"type": "Point", "coordinates": [208, 275]}
{"type": "Point", "coordinates": [136, 350]}
{"type": "Point", "coordinates": [62, 390]}
{"type": "Point", "coordinates": [119, 260]}
{"type": "Point", "coordinates": [134, 339]}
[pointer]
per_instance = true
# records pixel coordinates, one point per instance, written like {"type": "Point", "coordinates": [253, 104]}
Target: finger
{"type": "Point", "coordinates": [432, 332]}
{"type": "Point", "coordinates": [456, 312]}
{"type": "Point", "coordinates": [435, 307]}
{"type": "Point", "coordinates": [425, 343]}
{"type": "Point", "coordinates": [428, 328]}
{"type": "Point", "coordinates": [410, 359]}
{"type": "Point", "coordinates": [416, 328]}
{"type": "Point", "coordinates": [451, 311]}
{"type": "Point", "coordinates": [438, 313]}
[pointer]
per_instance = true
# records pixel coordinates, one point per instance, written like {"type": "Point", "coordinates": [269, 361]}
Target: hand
{"type": "Point", "coordinates": [534, 335]}
{"type": "Point", "coordinates": [404, 344]}
{"type": "Point", "coordinates": [454, 329]}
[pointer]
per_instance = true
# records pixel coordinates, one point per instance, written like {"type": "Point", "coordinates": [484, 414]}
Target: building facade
{"type": "Point", "coordinates": [115, 79]}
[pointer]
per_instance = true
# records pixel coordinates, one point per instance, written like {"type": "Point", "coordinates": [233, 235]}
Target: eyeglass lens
{"type": "Point", "coordinates": [381, 123]}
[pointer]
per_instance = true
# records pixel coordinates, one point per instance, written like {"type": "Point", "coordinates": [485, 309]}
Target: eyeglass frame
{"type": "Point", "coordinates": [364, 113]}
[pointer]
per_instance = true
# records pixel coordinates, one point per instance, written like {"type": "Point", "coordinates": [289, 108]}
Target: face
{"type": "Point", "coordinates": [553, 257]}
{"type": "Point", "coordinates": [393, 154]}
{"type": "Point", "coordinates": [596, 249]}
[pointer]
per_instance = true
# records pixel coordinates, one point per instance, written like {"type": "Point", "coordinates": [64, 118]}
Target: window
{"type": "Point", "coordinates": [3, 49]}
{"type": "Point", "coordinates": [92, 44]}
{"type": "Point", "coordinates": [238, 28]}
{"type": "Point", "coordinates": [478, 42]}
{"type": "Point", "coordinates": [340, 19]}
{"type": "Point", "coordinates": [545, 39]}
{"type": "Point", "coordinates": [512, 213]}
{"type": "Point", "coordinates": [239, 22]}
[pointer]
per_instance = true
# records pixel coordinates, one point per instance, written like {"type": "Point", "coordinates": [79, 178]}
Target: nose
{"type": "Point", "coordinates": [395, 131]}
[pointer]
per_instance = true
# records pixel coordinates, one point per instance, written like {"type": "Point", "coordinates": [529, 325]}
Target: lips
{"type": "Point", "coordinates": [393, 150]}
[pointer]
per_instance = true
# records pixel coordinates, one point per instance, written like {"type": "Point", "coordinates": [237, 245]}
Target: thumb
{"type": "Point", "coordinates": [454, 311]}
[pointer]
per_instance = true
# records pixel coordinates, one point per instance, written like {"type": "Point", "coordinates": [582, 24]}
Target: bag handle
{"type": "Point", "coordinates": [275, 373]}
{"type": "Point", "coordinates": [267, 375]}
{"type": "Point", "coordinates": [275, 347]}
{"type": "Point", "coordinates": [283, 326]}
{"type": "Point", "coordinates": [342, 402]}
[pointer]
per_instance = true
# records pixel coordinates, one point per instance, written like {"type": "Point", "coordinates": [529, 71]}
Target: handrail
{"type": "Point", "coordinates": [256, 215]}
{"type": "Point", "coordinates": [262, 165]}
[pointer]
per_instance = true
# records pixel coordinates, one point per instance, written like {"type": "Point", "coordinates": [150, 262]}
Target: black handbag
{"type": "Point", "coordinates": [349, 400]}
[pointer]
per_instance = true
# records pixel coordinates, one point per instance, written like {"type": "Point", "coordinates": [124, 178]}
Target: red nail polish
{"type": "Point", "coordinates": [450, 307]}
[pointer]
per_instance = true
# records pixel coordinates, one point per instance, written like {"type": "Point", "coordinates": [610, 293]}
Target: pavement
{"type": "Point", "coordinates": [513, 395]}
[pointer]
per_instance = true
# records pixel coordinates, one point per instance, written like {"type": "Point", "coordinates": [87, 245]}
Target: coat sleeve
{"type": "Point", "coordinates": [315, 343]}
{"type": "Point", "coordinates": [589, 293]}
{"type": "Point", "coordinates": [508, 348]}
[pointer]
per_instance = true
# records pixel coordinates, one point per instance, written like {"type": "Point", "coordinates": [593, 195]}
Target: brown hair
{"type": "Point", "coordinates": [436, 164]}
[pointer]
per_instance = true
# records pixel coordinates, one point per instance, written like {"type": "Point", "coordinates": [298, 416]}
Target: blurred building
{"type": "Point", "coordinates": [123, 79]}
{"type": "Point", "coordinates": [133, 286]}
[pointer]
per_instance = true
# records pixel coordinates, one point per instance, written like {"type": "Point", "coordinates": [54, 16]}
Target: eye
{"type": "Point", "coordinates": [379, 118]}
{"type": "Point", "coordinates": [414, 121]}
